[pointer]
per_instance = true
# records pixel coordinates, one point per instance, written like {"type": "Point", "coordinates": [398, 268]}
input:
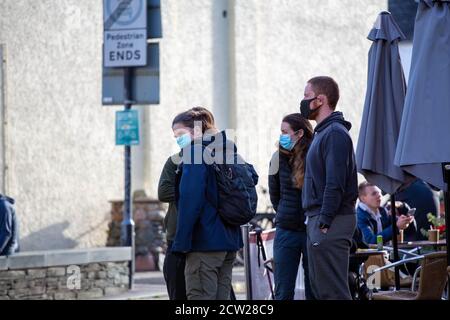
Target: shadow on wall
{"type": "Point", "coordinates": [49, 238]}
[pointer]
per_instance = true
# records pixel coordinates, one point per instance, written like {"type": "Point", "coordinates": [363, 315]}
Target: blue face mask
{"type": "Point", "coordinates": [286, 142]}
{"type": "Point", "coordinates": [184, 140]}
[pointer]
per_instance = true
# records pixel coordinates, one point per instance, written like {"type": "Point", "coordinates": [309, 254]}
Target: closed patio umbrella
{"type": "Point", "coordinates": [424, 141]}
{"type": "Point", "coordinates": [383, 107]}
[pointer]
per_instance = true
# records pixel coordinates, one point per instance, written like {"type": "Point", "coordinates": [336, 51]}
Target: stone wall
{"type": "Point", "coordinates": [150, 241]}
{"type": "Point", "coordinates": [65, 274]}
{"type": "Point", "coordinates": [96, 280]}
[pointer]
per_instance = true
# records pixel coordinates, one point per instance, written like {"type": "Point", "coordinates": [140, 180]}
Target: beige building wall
{"type": "Point", "coordinates": [274, 47]}
{"type": "Point", "coordinates": [278, 46]}
{"type": "Point", "coordinates": [247, 60]}
{"type": "Point", "coordinates": [195, 69]}
{"type": "Point", "coordinates": [63, 166]}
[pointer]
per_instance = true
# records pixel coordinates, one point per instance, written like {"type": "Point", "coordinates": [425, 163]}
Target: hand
{"type": "Point", "coordinates": [403, 222]}
{"type": "Point", "coordinates": [324, 228]}
{"type": "Point", "coordinates": [411, 220]}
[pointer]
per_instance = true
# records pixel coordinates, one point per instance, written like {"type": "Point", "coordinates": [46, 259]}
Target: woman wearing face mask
{"type": "Point", "coordinates": [285, 189]}
{"type": "Point", "coordinates": [210, 245]}
{"type": "Point", "coordinates": [174, 264]}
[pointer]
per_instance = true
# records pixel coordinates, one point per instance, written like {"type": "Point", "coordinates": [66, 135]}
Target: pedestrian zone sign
{"type": "Point", "coordinates": [125, 33]}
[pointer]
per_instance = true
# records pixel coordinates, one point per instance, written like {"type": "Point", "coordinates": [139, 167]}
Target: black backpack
{"type": "Point", "coordinates": [236, 184]}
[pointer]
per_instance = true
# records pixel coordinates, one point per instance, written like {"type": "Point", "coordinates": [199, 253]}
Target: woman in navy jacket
{"type": "Point", "coordinates": [287, 170]}
{"type": "Point", "coordinates": [209, 244]}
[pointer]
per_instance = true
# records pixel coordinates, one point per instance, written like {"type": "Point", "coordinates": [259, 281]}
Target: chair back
{"type": "Point", "coordinates": [433, 276]}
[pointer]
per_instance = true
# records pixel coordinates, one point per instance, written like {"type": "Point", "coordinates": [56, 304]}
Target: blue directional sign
{"type": "Point", "coordinates": [127, 128]}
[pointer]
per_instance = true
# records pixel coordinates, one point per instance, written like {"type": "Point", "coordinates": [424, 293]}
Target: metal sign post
{"type": "Point", "coordinates": [125, 46]}
{"type": "Point", "coordinates": [394, 242]}
{"type": "Point", "coordinates": [127, 234]}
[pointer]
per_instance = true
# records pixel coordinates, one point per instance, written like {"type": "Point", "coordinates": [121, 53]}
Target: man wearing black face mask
{"type": "Point", "coordinates": [330, 191]}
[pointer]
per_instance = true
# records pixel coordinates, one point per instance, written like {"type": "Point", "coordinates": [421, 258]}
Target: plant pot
{"type": "Point", "coordinates": [433, 235]}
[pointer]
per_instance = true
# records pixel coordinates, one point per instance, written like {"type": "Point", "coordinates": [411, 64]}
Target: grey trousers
{"type": "Point", "coordinates": [328, 256]}
{"type": "Point", "coordinates": [208, 275]}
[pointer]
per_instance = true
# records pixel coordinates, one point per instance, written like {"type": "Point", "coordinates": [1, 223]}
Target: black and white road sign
{"type": "Point", "coordinates": [125, 33]}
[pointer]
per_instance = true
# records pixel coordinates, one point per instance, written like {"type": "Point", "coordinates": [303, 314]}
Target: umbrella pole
{"type": "Point", "coordinates": [394, 241]}
{"type": "Point", "coordinates": [446, 172]}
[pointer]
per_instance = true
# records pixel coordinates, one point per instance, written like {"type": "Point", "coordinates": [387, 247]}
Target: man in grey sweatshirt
{"type": "Point", "coordinates": [330, 191]}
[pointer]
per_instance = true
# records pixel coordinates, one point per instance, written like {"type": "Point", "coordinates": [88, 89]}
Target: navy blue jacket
{"type": "Point", "coordinates": [9, 243]}
{"type": "Point", "coordinates": [331, 185]}
{"type": "Point", "coordinates": [199, 227]}
{"type": "Point", "coordinates": [368, 226]}
{"type": "Point", "coordinates": [285, 197]}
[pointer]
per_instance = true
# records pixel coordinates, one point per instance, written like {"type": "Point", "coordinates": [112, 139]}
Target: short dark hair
{"type": "Point", "coordinates": [362, 187]}
{"type": "Point", "coordinates": [327, 86]}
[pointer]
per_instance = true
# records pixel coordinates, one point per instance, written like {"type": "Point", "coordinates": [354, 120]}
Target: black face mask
{"type": "Point", "coordinates": [305, 111]}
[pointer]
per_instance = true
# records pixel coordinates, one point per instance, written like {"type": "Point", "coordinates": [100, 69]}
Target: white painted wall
{"type": "Point", "coordinates": [248, 66]}
{"type": "Point", "coordinates": [405, 49]}
{"type": "Point", "coordinates": [274, 47]}
{"type": "Point", "coordinates": [278, 47]}
{"type": "Point", "coordinates": [194, 72]}
{"type": "Point", "coordinates": [63, 164]}
{"type": "Point", "coordinates": [2, 122]}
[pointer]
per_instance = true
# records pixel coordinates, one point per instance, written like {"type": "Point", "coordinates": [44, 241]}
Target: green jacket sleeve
{"type": "Point", "coordinates": [166, 185]}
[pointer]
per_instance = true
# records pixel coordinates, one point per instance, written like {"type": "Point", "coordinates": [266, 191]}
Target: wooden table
{"type": "Point", "coordinates": [365, 253]}
{"type": "Point", "coordinates": [415, 244]}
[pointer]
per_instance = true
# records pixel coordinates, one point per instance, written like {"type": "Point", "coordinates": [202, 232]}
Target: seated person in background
{"type": "Point", "coordinates": [402, 210]}
{"type": "Point", "coordinates": [409, 234]}
{"type": "Point", "coordinates": [8, 227]}
{"type": "Point", "coordinates": [374, 220]}
{"type": "Point", "coordinates": [421, 196]}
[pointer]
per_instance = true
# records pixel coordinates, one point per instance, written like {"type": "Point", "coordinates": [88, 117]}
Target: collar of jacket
{"type": "Point", "coordinates": [365, 207]}
{"type": "Point", "coordinates": [335, 117]}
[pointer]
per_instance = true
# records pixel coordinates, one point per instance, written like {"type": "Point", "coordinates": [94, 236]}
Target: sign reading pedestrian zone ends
{"type": "Point", "coordinates": [125, 33]}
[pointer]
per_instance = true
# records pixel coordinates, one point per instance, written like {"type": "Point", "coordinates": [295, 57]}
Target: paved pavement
{"type": "Point", "coordinates": [151, 286]}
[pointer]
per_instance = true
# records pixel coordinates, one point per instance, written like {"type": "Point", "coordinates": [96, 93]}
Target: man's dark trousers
{"type": "Point", "coordinates": [328, 257]}
{"type": "Point", "coordinates": [173, 270]}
